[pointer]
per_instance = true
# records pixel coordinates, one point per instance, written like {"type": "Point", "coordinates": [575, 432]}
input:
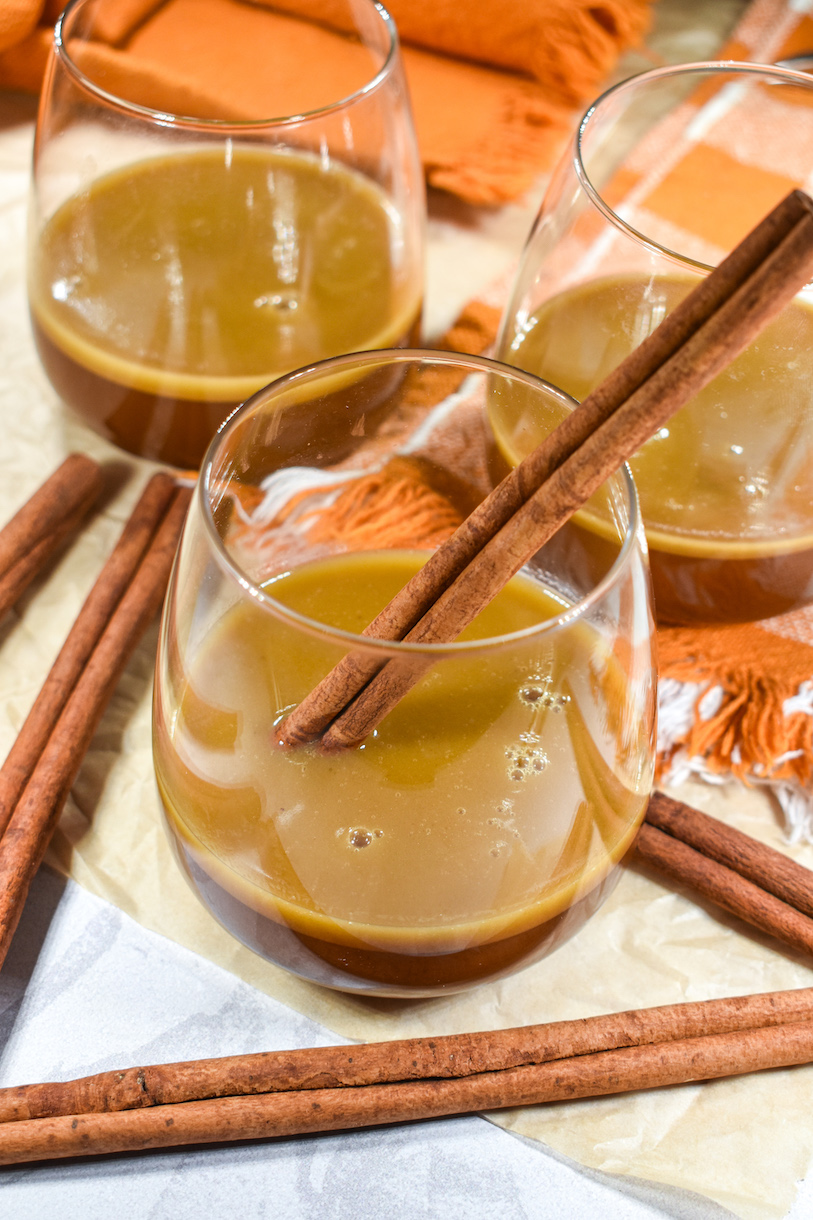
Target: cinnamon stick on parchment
{"type": "Point", "coordinates": [704, 334]}
{"type": "Point", "coordinates": [34, 533]}
{"type": "Point", "coordinates": [755, 861]}
{"type": "Point", "coordinates": [83, 637]}
{"type": "Point", "coordinates": [75, 718]}
{"type": "Point", "coordinates": [747, 878]}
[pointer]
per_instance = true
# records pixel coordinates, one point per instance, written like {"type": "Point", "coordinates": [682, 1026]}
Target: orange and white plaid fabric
{"type": "Point", "coordinates": [734, 700]}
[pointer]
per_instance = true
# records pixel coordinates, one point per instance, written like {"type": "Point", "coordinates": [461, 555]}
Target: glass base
{"type": "Point", "coordinates": [374, 972]}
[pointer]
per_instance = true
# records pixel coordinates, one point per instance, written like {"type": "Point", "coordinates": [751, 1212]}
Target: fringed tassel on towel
{"type": "Point", "coordinates": [739, 701]}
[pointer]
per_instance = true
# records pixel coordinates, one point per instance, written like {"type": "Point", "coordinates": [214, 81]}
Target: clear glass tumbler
{"type": "Point", "coordinates": [200, 228]}
{"type": "Point", "coordinates": [667, 172]}
{"type": "Point", "coordinates": [481, 822]}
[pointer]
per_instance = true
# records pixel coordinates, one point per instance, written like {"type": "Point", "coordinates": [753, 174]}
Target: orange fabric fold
{"type": "Point", "coordinates": [22, 66]}
{"type": "Point", "coordinates": [568, 46]}
{"type": "Point", "coordinates": [492, 86]}
{"type": "Point", "coordinates": [17, 20]}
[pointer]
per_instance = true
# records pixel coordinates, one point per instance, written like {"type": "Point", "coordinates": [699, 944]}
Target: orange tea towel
{"type": "Point", "coordinates": [492, 84]}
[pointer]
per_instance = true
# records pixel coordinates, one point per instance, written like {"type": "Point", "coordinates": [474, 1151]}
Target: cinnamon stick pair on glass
{"type": "Point", "coordinates": [696, 341]}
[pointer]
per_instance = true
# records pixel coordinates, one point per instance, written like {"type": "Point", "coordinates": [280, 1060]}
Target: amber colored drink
{"type": "Point", "coordinates": [475, 830]}
{"type": "Point", "coordinates": [726, 487]}
{"type": "Point", "coordinates": [175, 288]}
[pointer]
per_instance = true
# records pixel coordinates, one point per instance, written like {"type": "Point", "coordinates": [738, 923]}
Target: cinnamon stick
{"type": "Point", "coordinates": [82, 639]}
{"type": "Point", "coordinates": [375, 1063]}
{"type": "Point", "coordinates": [37, 529]}
{"type": "Point", "coordinates": [445, 564]}
{"type": "Point", "coordinates": [725, 887]}
{"type": "Point", "coordinates": [19, 576]}
{"type": "Point", "coordinates": [713, 325]}
{"type": "Point", "coordinates": [29, 830]}
{"type": "Point", "coordinates": [306, 1111]}
{"type": "Point", "coordinates": [765, 867]}
{"type": "Point", "coordinates": [704, 354]}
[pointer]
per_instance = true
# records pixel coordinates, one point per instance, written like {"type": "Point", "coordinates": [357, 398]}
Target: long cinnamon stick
{"type": "Point", "coordinates": [29, 830]}
{"type": "Point", "coordinates": [769, 869]}
{"type": "Point", "coordinates": [305, 1111]}
{"type": "Point", "coordinates": [762, 273]}
{"type": "Point", "coordinates": [456, 1055]}
{"type": "Point", "coordinates": [82, 639]}
{"type": "Point", "coordinates": [37, 529]}
{"type": "Point", "coordinates": [722, 337]}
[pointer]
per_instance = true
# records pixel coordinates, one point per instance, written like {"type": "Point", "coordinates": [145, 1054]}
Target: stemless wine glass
{"type": "Point", "coordinates": [480, 823]}
{"type": "Point", "coordinates": [200, 226]}
{"type": "Point", "coordinates": [668, 171]}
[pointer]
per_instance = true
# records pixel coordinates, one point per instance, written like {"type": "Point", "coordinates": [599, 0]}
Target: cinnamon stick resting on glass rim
{"type": "Point", "coordinates": [710, 327]}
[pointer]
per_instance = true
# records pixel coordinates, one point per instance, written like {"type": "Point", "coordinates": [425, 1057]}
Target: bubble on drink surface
{"type": "Point", "coordinates": [360, 836]}
{"type": "Point", "coordinates": [283, 303]}
{"type": "Point", "coordinates": [525, 760]}
{"type": "Point", "coordinates": [499, 847]}
{"type": "Point", "coordinates": [537, 692]}
{"type": "Point", "coordinates": [506, 826]}
{"type": "Point", "coordinates": [757, 487]}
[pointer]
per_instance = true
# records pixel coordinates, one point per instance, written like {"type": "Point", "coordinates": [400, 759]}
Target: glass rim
{"type": "Point", "coordinates": [190, 122]}
{"type": "Point", "coordinates": [778, 72]}
{"type": "Point", "coordinates": [633, 532]}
